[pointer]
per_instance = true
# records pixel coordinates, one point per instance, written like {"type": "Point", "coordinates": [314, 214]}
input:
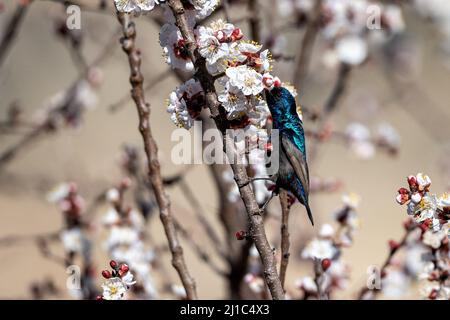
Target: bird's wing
{"type": "Point", "coordinates": [297, 161]}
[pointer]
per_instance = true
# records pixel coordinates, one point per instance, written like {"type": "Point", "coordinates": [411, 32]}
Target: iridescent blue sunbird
{"type": "Point", "coordinates": [293, 173]}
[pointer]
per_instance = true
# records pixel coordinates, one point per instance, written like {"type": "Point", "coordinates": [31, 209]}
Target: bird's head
{"type": "Point", "coordinates": [281, 99]}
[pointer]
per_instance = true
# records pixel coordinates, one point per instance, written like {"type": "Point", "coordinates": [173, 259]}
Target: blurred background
{"type": "Point", "coordinates": [402, 86]}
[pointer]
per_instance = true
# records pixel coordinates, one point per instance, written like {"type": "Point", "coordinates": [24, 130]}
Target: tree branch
{"type": "Point", "coordinates": [151, 151]}
{"type": "Point", "coordinates": [206, 80]}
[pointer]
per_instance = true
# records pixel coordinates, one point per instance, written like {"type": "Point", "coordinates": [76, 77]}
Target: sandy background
{"type": "Point", "coordinates": [38, 67]}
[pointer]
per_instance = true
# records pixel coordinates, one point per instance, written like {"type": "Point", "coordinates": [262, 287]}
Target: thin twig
{"type": "Point", "coordinates": [201, 217]}
{"type": "Point", "coordinates": [201, 253]}
{"type": "Point", "coordinates": [386, 264]}
{"type": "Point", "coordinates": [151, 151]}
{"type": "Point", "coordinates": [206, 80]}
{"type": "Point", "coordinates": [254, 20]}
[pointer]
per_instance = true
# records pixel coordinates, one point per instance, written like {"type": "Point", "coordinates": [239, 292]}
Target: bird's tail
{"type": "Point", "coordinates": [310, 215]}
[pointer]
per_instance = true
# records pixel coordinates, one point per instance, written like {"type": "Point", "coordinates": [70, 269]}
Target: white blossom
{"type": "Point", "coordinates": [352, 50]}
{"type": "Point", "coordinates": [114, 289]}
{"type": "Point", "coordinates": [246, 79]}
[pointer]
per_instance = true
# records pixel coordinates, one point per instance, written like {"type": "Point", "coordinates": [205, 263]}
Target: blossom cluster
{"type": "Point", "coordinates": [241, 67]}
{"type": "Point", "coordinates": [124, 242]}
{"type": "Point", "coordinates": [427, 209]}
{"type": "Point", "coordinates": [72, 206]}
{"type": "Point", "coordinates": [117, 281]}
{"type": "Point", "coordinates": [326, 250]}
{"type": "Point", "coordinates": [363, 142]}
{"type": "Point", "coordinates": [344, 25]}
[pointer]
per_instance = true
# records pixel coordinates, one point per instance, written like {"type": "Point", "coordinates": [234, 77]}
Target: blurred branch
{"type": "Point", "coordinates": [366, 292]}
{"type": "Point", "coordinates": [307, 45]}
{"type": "Point", "coordinates": [201, 217]}
{"type": "Point", "coordinates": [48, 124]}
{"type": "Point", "coordinates": [12, 29]}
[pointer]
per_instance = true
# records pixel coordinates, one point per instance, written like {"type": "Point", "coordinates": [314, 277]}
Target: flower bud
{"type": "Point", "coordinates": [412, 181]}
{"type": "Point", "coordinates": [394, 245]}
{"type": "Point", "coordinates": [326, 263]}
{"type": "Point", "coordinates": [241, 235]}
{"type": "Point", "coordinates": [124, 268]}
{"type": "Point", "coordinates": [237, 34]}
{"type": "Point", "coordinates": [113, 264]}
{"type": "Point", "coordinates": [106, 274]}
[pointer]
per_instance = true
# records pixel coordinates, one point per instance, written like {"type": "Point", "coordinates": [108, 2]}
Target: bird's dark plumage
{"type": "Point", "coordinates": [293, 173]}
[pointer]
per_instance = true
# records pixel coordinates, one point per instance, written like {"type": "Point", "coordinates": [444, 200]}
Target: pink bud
{"type": "Point", "coordinates": [124, 268]}
{"type": "Point", "coordinates": [402, 198]}
{"type": "Point", "coordinates": [237, 34]}
{"type": "Point", "coordinates": [113, 264]}
{"type": "Point", "coordinates": [106, 274]}
{"type": "Point", "coordinates": [394, 245]}
{"type": "Point", "coordinates": [412, 181]}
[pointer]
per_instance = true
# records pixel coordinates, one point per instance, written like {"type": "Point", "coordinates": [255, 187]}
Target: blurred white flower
{"type": "Point", "coordinates": [128, 279]}
{"type": "Point", "coordinates": [351, 200]}
{"type": "Point", "coordinates": [73, 240]}
{"type": "Point", "coordinates": [121, 236]}
{"type": "Point", "coordinates": [58, 193]}
{"type": "Point", "coordinates": [319, 249]}
{"type": "Point", "coordinates": [434, 239]}
{"type": "Point", "coordinates": [352, 50]}
{"type": "Point", "coordinates": [255, 283]}
{"type": "Point", "coordinates": [326, 231]}
{"type": "Point", "coordinates": [113, 195]}
{"type": "Point", "coordinates": [388, 135]}
{"type": "Point", "coordinates": [307, 284]}
{"type": "Point", "coordinates": [395, 284]}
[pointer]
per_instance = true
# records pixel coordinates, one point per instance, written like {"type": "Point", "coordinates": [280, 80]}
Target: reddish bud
{"type": "Point", "coordinates": [113, 264]}
{"type": "Point", "coordinates": [326, 263]}
{"type": "Point", "coordinates": [241, 235]}
{"type": "Point", "coordinates": [394, 245]}
{"type": "Point", "coordinates": [106, 274]}
{"type": "Point", "coordinates": [237, 34]}
{"type": "Point", "coordinates": [433, 295]}
{"type": "Point", "coordinates": [403, 191]}
{"type": "Point", "coordinates": [124, 268]}
{"type": "Point", "coordinates": [99, 297]}
{"type": "Point", "coordinates": [412, 181]}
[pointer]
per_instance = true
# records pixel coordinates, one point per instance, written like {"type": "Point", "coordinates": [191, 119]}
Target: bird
{"type": "Point", "coordinates": [293, 172]}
